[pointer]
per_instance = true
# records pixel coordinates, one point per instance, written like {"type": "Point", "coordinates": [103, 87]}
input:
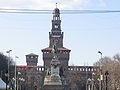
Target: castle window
{"type": "Point", "coordinates": [35, 56]}
{"type": "Point", "coordinates": [77, 69]}
{"type": "Point", "coordinates": [83, 69]}
{"type": "Point", "coordinates": [56, 26]}
{"type": "Point", "coordinates": [32, 57]}
{"type": "Point", "coordinates": [27, 57]}
{"type": "Point", "coordinates": [42, 69]}
{"type": "Point", "coordinates": [80, 69]}
{"type": "Point", "coordinates": [94, 69]}
{"type": "Point", "coordinates": [89, 69]}
{"type": "Point", "coordinates": [66, 52]}
{"type": "Point", "coordinates": [56, 18]}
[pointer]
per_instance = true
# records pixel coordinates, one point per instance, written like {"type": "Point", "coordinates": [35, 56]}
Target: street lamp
{"type": "Point", "coordinates": [93, 81]}
{"type": "Point", "coordinates": [15, 71]}
{"type": "Point", "coordinates": [21, 83]}
{"type": "Point", "coordinates": [101, 76]}
{"type": "Point", "coordinates": [100, 53]}
{"type": "Point", "coordinates": [8, 66]}
{"type": "Point", "coordinates": [106, 76]}
{"type": "Point", "coordinates": [89, 83]}
{"type": "Point", "coordinates": [18, 73]}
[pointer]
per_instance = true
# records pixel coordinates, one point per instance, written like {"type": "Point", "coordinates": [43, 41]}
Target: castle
{"type": "Point", "coordinates": [31, 77]}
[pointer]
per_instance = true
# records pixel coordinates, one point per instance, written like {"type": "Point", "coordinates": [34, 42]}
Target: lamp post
{"type": "Point", "coordinates": [19, 73]}
{"type": "Point", "coordinates": [93, 74]}
{"type": "Point", "coordinates": [106, 76]}
{"type": "Point", "coordinates": [101, 76]}
{"type": "Point", "coordinates": [8, 65]}
{"type": "Point", "coordinates": [22, 80]}
{"type": "Point", "coordinates": [15, 71]}
{"type": "Point", "coordinates": [89, 83]}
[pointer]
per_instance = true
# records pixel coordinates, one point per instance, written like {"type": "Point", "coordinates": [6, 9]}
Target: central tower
{"type": "Point", "coordinates": [56, 38]}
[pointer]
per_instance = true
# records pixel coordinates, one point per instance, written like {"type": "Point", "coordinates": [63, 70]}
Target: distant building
{"type": "Point", "coordinates": [31, 77]}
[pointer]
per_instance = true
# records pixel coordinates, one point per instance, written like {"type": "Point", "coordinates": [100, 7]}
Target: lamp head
{"type": "Point", "coordinates": [100, 52]}
{"type": "Point", "coordinates": [8, 51]}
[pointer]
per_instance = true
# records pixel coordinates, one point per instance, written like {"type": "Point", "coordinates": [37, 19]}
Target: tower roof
{"type": "Point", "coordinates": [58, 49]}
{"type": "Point", "coordinates": [31, 54]}
{"type": "Point", "coordinates": [56, 11]}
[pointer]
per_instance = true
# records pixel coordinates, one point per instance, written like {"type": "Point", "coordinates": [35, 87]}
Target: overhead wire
{"type": "Point", "coordinates": [37, 11]}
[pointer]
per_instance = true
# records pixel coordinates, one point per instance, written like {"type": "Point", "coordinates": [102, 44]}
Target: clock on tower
{"type": "Point", "coordinates": [56, 41]}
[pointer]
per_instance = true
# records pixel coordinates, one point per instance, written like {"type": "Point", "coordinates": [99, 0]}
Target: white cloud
{"type": "Point", "coordinates": [43, 4]}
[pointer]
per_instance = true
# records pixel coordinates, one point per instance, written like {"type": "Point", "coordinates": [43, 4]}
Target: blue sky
{"type": "Point", "coordinates": [84, 34]}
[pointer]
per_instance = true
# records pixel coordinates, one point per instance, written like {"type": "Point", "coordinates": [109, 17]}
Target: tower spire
{"type": "Point", "coordinates": [56, 22]}
{"type": "Point", "coordinates": [56, 5]}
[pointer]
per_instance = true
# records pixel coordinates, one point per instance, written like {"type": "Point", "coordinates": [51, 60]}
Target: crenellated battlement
{"type": "Point", "coordinates": [23, 68]}
{"type": "Point", "coordinates": [83, 68]}
{"type": "Point", "coordinates": [70, 68]}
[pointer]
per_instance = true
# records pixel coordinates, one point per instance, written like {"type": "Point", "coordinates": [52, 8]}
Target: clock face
{"type": "Point", "coordinates": [55, 41]}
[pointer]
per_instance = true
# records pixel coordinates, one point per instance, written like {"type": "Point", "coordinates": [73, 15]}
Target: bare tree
{"type": "Point", "coordinates": [112, 65]}
{"type": "Point", "coordinates": [4, 66]}
{"type": "Point", "coordinates": [116, 57]}
{"type": "Point", "coordinates": [76, 81]}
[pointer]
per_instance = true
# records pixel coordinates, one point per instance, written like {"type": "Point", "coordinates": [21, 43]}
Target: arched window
{"type": "Point", "coordinates": [56, 26]}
